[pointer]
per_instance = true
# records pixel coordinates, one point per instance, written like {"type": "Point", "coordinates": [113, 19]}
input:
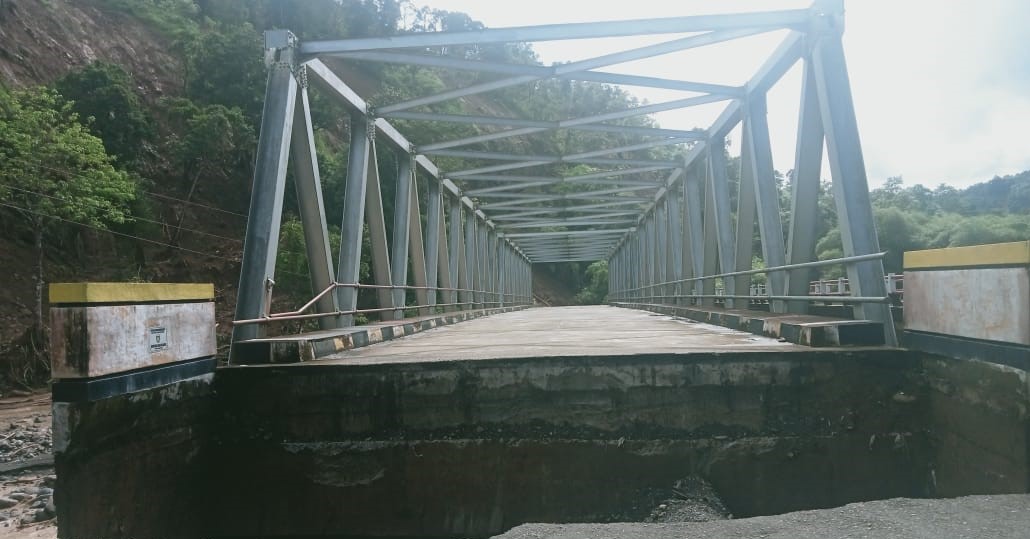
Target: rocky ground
{"type": "Point", "coordinates": [26, 467]}
{"type": "Point", "coordinates": [971, 517]}
{"type": "Point", "coordinates": [692, 500]}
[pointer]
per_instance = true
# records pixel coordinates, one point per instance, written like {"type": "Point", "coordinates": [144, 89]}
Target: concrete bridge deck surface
{"type": "Point", "coordinates": [597, 330]}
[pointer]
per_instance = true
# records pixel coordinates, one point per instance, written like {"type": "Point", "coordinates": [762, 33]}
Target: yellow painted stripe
{"type": "Point", "coordinates": [995, 254]}
{"type": "Point", "coordinates": [129, 292]}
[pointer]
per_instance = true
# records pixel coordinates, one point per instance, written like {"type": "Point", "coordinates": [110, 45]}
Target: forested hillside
{"type": "Point", "coordinates": [127, 132]}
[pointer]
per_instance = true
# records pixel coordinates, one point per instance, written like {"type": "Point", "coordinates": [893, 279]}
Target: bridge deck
{"type": "Point", "coordinates": [562, 331]}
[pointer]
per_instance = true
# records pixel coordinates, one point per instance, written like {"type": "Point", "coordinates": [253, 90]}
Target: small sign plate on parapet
{"type": "Point", "coordinates": [158, 339]}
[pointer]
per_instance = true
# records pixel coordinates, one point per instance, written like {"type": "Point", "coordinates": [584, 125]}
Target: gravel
{"type": "Point", "coordinates": [25, 439]}
{"type": "Point", "coordinates": [26, 492]}
{"type": "Point", "coordinates": [693, 500]}
{"type": "Point", "coordinates": [971, 517]}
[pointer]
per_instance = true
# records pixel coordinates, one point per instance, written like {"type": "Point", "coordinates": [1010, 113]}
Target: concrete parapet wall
{"type": "Point", "coordinates": [991, 304]}
{"type": "Point", "coordinates": [980, 292]}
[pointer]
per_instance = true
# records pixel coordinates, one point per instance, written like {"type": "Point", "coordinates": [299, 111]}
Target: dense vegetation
{"type": "Point", "coordinates": [169, 177]}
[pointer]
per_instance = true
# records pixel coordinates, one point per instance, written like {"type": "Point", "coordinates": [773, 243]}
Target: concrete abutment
{"type": "Point", "coordinates": [472, 448]}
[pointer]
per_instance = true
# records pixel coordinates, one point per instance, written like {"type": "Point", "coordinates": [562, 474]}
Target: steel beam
{"type": "Point", "coordinates": [456, 249]}
{"type": "Point", "coordinates": [471, 257]}
{"type": "Point", "coordinates": [352, 228]}
{"type": "Point", "coordinates": [480, 66]}
{"type": "Point", "coordinates": [639, 53]}
{"type": "Point", "coordinates": [719, 199]}
{"type": "Point", "coordinates": [312, 210]}
{"type": "Point", "coordinates": [661, 233]}
{"type": "Point", "coordinates": [745, 215]}
{"type": "Point", "coordinates": [436, 237]}
{"type": "Point", "coordinates": [851, 188]}
{"type": "Point", "coordinates": [674, 270]}
{"type": "Point", "coordinates": [400, 243]}
{"type": "Point", "coordinates": [420, 276]}
{"type": "Point", "coordinates": [566, 222]}
{"type": "Point", "coordinates": [553, 32]}
{"type": "Point", "coordinates": [782, 59]}
{"type": "Point", "coordinates": [767, 197]}
{"type": "Point", "coordinates": [257, 273]}
{"type": "Point", "coordinates": [376, 221]}
{"type": "Point", "coordinates": [656, 82]}
{"type": "Point", "coordinates": [614, 231]}
{"type": "Point", "coordinates": [804, 211]}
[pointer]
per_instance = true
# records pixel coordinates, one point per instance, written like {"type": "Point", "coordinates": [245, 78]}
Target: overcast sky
{"type": "Point", "coordinates": [942, 88]}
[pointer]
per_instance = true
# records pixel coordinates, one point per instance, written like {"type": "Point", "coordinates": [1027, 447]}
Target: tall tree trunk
{"type": "Point", "coordinates": [182, 211]}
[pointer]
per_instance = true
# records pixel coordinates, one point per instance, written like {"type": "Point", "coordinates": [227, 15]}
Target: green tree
{"type": "Point", "coordinates": [596, 289]}
{"type": "Point", "coordinates": [224, 66]}
{"type": "Point", "coordinates": [53, 169]}
{"type": "Point", "coordinates": [103, 94]}
{"type": "Point", "coordinates": [212, 142]}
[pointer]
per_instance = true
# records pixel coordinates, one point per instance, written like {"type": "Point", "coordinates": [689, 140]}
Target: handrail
{"type": "Point", "coordinates": [800, 265]}
{"type": "Point", "coordinates": [299, 314]}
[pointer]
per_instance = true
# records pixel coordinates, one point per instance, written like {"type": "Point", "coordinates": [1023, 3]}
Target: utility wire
{"type": "Point", "coordinates": [115, 232]}
{"type": "Point", "coordinates": [148, 240]}
{"type": "Point", "coordinates": [151, 193]}
{"type": "Point", "coordinates": [72, 173]}
{"type": "Point", "coordinates": [136, 217]}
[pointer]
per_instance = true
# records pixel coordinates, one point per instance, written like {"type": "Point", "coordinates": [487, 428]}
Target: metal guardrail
{"type": "Point", "coordinates": [621, 296]}
{"type": "Point", "coordinates": [499, 300]}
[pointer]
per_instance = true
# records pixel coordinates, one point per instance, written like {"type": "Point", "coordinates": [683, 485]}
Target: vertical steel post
{"type": "Point", "coordinates": [745, 215]}
{"type": "Point", "coordinates": [266, 201]}
{"type": "Point", "coordinates": [719, 198]}
{"type": "Point", "coordinates": [471, 259]}
{"type": "Point", "coordinates": [417, 250]}
{"type": "Point", "coordinates": [457, 252]}
{"type": "Point", "coordinates": [401, 232]}
{"type": "Point", "coordinates": [804, 211]}
{"type": "Point", "coordinates": [767, 196]}
{"type": "Point", "coordinates": [312, 210]}
{"type": "Point", "coordinates": [376, 221]}
{"type": "Point", "coordinates": [648, 247]}
{"type": "Point", "coordinates": [352, 228]}
{"type": "Point", "coordinates": [434, 230]}
{"type": "Point", "coordinates": [694, 250]}
{"type": "Point", "coordinates": [466, 256]}
{"type": "Point", "coordinates": [501, 266]}
{"type": "Point", "coordinates": [851, 188]}
{"type": "Point", "coordinates": [662, 243]}
{"type": "Point", "coordinates": [674, 270]}
{"type": "Point", "coordinates": [483, 262]}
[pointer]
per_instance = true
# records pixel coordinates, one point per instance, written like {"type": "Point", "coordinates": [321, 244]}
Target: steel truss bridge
{"type": "Point", "coordinates": [665, 226]}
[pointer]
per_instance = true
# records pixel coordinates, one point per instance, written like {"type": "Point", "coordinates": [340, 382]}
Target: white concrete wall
{"type": "Point", "coordinates": [120, 338]}
{"type": "Point", "coordinates": [984, 303]}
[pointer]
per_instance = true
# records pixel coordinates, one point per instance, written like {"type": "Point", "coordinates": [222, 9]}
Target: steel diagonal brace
{"type": "Point", "coordinates": [582, 65]}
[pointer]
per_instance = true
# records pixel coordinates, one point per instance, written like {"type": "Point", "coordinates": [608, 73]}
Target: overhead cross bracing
{"type": "Point", "coordinates": [653, 201]}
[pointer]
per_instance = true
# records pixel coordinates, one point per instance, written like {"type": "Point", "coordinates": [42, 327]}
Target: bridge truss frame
{"type": "Point", "coordinates": [665, 226]}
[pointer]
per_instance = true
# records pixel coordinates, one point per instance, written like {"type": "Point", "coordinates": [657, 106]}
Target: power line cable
{"type": "Point", "coordinates": [136, 217]}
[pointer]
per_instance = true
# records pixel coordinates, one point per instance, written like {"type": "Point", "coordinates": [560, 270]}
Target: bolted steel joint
{"type": "Point", "coordinates": [281, 50]}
